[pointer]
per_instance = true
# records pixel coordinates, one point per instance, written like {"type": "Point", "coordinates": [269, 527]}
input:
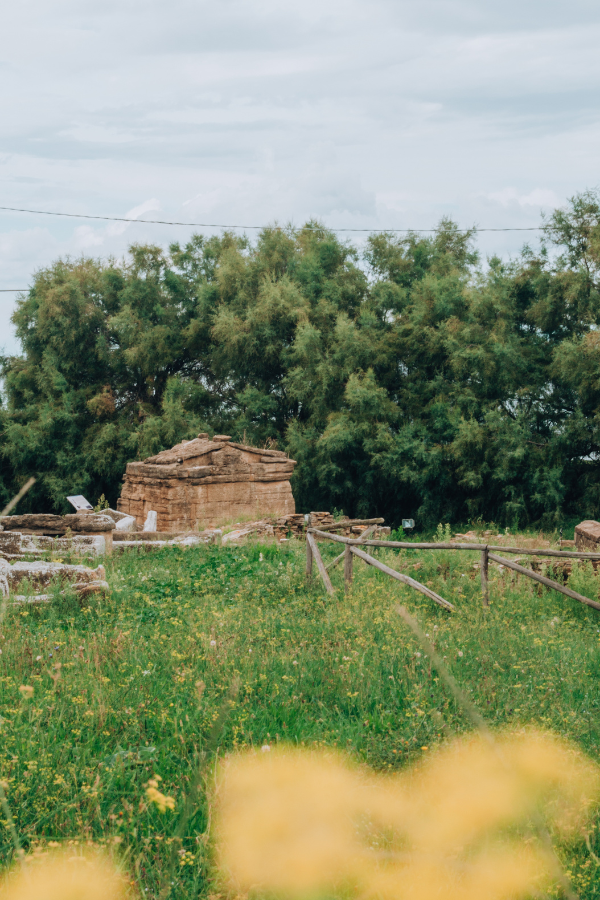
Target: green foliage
{"type": "Point", "coordinates": [132, 685]}
{"type": "Point", "coordinates": [443, 533]}
{"type": "Point", "coordinates": [411, 381]}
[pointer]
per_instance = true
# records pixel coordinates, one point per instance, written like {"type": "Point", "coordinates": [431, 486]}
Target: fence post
{"type": "Point", "coordinates": [347, 568]}
{"type": "Point", "coordinates": [484, 578]}
{"type": "Point", "coordinates": [320, 565]}
{"type": "Point", "coordinates": [309, 560]}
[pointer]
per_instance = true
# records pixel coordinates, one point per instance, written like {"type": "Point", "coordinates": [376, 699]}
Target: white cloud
{"type": "Point", "coordinates": [539, 197]}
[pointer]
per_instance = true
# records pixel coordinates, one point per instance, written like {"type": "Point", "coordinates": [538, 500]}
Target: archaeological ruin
{"type": "Point", "coordinates": [204, 483]}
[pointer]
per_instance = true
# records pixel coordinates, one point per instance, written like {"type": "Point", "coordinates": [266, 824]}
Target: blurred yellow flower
{"type": "Point", "coordinates": [154, 795]}
{"type": "Point", "coordinates": [300, 822]}
{"type": "Point", "coordinates": [64, 876]}
{"type": "Point", "coordinates": [26, 691]}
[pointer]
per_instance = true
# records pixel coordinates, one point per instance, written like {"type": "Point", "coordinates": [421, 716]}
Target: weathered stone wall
{"type": "Point", "coordinates": [182, 506]}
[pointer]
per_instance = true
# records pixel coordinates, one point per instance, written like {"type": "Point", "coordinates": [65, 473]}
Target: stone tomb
{"type": "Point", "coordinates": [207, 482]}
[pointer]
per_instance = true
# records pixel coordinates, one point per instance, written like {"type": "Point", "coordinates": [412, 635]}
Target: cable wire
{"type": "Point", "coordinates": [43, 212]}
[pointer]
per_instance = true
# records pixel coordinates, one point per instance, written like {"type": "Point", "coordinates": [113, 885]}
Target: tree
{"type": "Point", "coordinates": [409, 380]}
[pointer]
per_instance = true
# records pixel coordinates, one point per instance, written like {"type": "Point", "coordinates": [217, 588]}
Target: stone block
{"type": "Point", "coordinates": [587, 535]}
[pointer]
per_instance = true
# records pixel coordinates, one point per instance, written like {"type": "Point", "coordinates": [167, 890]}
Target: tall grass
{"type": "Point", "coordinates": [202, 651]}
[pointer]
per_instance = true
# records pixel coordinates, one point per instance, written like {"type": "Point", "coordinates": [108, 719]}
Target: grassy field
{"type": "Point", "coordinates": [198, 652]}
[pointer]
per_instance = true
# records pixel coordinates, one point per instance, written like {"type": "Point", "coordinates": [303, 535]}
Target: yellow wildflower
{"type": "Point", "coordinates": [154, 795]}
{"type": "Point", "coordinates": [298, 822]}
{"type": "Point", "coordinates": [64, 876]}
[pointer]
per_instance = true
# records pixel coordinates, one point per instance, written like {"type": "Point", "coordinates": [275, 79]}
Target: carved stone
{"type": "Point", "coordinates": [206, 482]}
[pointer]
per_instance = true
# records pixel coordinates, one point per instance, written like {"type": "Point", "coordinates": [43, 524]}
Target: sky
{"type": "Point", "coordinates": [366, 114]}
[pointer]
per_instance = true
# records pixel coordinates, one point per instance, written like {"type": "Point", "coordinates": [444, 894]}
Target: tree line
{"type": "Point", "coordinates": [409, 378]}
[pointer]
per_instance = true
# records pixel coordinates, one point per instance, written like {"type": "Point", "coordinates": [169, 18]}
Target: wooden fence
{"type": "Point", "coordinates": [487, 551]}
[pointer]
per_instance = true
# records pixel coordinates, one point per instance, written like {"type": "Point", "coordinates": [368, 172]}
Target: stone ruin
{"type": "Point", "coordinates": [206, 482]}
{"type": "Point", "coordinates": [587, 535]}
{"type": "Point", "coordinates": [37, 533]}
{"type": "Point", "coordinates": [30, 582]}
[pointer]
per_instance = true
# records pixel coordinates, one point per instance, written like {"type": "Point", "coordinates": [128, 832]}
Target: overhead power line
{"type": "Point", "coordinates": [44, 212]}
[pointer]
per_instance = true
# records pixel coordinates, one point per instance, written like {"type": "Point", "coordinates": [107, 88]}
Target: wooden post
{"type": "Point", "coordinates": [309, 560]}
{"type": "Point", "coordinates": [340, 557]}
{"type": "Point", "coordinates": [484, 578]}
{"type": "Point", "coordinates": [347, 568]}
{"type": "Point", "coordinates": [405, 579]}
{"type": "Point", "coordinates": [543, 580]}
{"type": "Point", "coordinates": [322, 570]}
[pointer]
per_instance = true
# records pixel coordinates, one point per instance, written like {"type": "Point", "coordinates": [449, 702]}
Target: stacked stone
{"type": "Point", "coordinates": [292, 525]}
{"type": "Point", "coordinates": [295, 525]}
{"type": "Point", "coordinates": [318, 519]}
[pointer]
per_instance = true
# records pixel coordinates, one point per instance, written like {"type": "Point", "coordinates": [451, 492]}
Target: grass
{"type": "Point", "coordinates": [203, 651]}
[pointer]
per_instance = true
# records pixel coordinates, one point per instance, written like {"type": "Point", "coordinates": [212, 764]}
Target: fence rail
{"type": "Point", "coordinates": [487, 552]}
{"type": "Point", "coordinates": [408, 545]}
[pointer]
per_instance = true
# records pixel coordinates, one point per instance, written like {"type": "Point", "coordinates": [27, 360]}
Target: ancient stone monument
{"type": "Point", "coordinates": [207, 482]}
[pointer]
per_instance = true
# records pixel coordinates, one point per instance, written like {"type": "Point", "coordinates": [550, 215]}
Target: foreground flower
{"type": "Point", "coordinates": [300, 822]}
{"type": "Point", "coordinates": [65, 876]}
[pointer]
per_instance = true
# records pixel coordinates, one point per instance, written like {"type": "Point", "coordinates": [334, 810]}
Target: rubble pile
{"type": "Point", "coordinates": [295, 525]}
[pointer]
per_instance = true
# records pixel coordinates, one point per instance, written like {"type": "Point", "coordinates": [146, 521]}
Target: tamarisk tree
{"type": "Point", "coordinates": [409, 378]}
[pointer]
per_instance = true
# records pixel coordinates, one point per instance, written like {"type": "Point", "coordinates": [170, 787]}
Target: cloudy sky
{"type": "Point", "coordinates": [363, 113]}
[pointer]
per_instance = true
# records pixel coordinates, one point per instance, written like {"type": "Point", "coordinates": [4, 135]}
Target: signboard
{"type": "Point", "coordinates": [79, 502]}
{"type": "Point", "coordinates": [407, 524]}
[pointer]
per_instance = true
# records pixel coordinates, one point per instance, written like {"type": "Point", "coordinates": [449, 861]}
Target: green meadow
{"type": "Point", "coordinates": [200, 652]}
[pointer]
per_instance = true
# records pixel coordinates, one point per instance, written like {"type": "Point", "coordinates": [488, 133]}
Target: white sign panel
{"type": "Point", "coordinates": [79, 502]}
